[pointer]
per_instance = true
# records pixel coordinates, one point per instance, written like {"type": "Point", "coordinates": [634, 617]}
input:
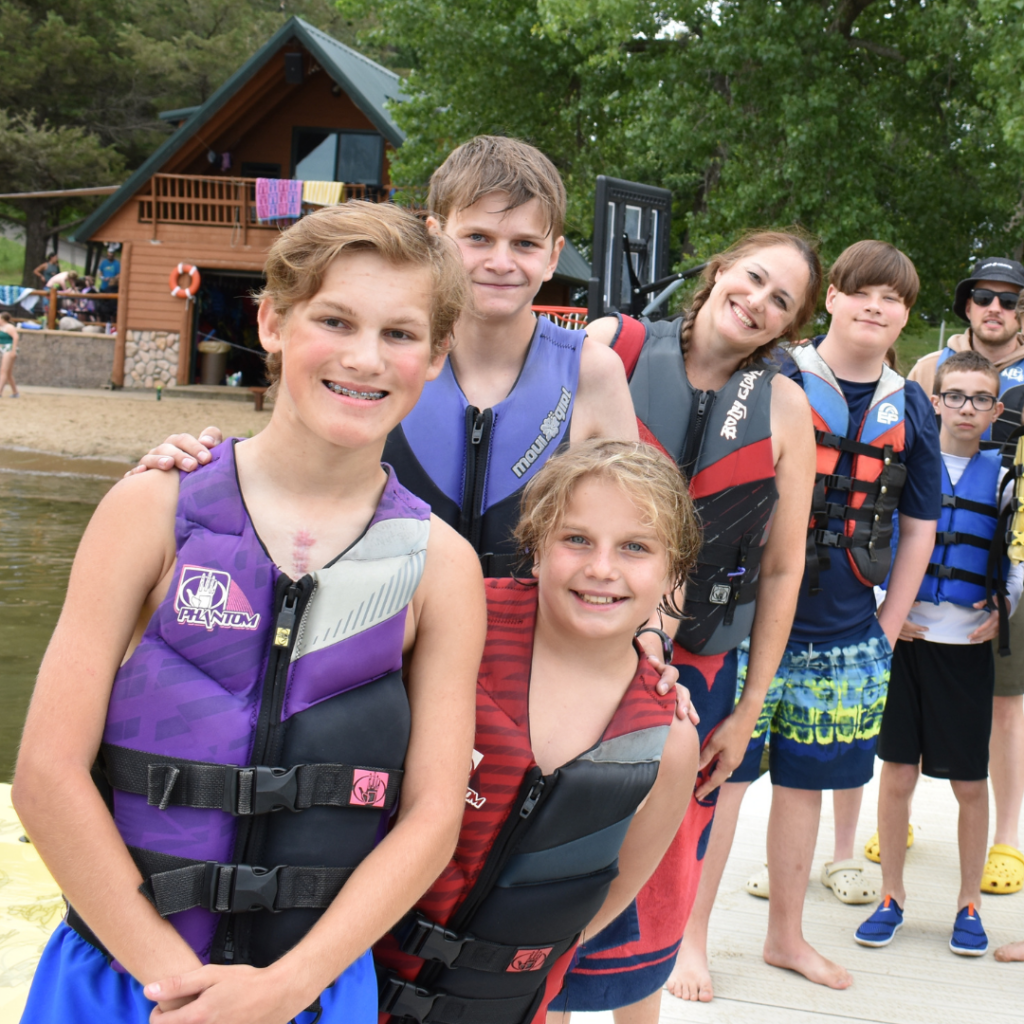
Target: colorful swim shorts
{"type": "Point", "coordinates": [823, 713]}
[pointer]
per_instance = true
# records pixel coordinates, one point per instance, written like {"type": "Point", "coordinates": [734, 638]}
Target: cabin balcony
{"type": "Point", "coordinates": [219, 201]}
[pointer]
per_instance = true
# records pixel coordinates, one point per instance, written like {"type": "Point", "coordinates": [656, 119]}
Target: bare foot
{"type": "Point", "coordinates": [1007, 954]}
{"type": "Point", "coordinates": [690, 978]}
{"type": "Point", "coordinates": [804, 959]}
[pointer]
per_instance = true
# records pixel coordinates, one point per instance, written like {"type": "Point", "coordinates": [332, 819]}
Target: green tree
{"type": "Point", "coordinates": [37, 157]}
{"type": "Point", "coordinates": [852, 118]}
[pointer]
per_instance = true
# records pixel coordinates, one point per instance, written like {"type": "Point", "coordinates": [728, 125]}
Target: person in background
{"type": "Point", "coordinates": [8, 353]}
{"type": "Point", "coordinates": [989, 301]}
{"type": "Point", "coordinates": [47, 269]}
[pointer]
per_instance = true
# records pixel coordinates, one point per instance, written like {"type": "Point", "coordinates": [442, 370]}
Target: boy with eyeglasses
{"type": "Point", "coordinates": [986, 301]}
{"type": "Point", "coordinates": [938, 715]}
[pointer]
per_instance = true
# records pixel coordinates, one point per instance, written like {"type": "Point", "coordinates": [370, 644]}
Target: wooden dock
{"type": "Point", "coordinates": [916, 980]}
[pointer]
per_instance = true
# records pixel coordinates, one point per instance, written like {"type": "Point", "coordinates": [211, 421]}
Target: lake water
{"type": "Point", "coordinates": [45, 504]}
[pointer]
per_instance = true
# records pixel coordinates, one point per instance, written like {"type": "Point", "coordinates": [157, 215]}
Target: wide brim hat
{"type": "Point", "coordinates": [992, 268]}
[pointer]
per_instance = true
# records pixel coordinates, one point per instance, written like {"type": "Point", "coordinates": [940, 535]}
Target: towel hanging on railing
{"type": "Point", "coordinates": [278, 198]}
{"type": "Point", "coordinates": [322, 193]}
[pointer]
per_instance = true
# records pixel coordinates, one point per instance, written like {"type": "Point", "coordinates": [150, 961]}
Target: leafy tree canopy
{"type": "Point", "coordinates": [892, 119]}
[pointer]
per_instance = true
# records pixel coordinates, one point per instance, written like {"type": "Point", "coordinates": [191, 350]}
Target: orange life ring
{"type": "Point", "coordinates": [184, 293]}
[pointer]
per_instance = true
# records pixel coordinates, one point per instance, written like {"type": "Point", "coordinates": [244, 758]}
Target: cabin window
{"type": "Point", "coordinates": [251, 169]}
{"type": "Point", "coordinates": [350, 156]}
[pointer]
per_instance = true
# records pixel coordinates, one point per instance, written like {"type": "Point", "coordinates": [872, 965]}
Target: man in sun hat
{"type": "Point", "coordinates": [986, 301]}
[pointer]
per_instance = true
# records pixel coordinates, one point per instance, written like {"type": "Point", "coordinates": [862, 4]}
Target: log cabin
{"type": "Point", "coordinates": [305, 107]}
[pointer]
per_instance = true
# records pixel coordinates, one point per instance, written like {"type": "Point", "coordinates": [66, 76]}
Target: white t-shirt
{"type": "Point", "coordinates": [949, 623]}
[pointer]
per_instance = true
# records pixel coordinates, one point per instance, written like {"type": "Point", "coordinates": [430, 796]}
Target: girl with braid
{"type": "Point", "coordinates": [704, 391]}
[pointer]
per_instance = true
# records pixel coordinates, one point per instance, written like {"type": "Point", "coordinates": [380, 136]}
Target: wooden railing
{"type": "Point", "coordinates": [206, 201]}
{"type": "Point", "coordinates": [53, 295]}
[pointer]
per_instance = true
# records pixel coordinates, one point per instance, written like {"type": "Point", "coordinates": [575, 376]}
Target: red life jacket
{"type": "Point", "coordinates": [492, 938]}
{"type": "Point", "coordinates": [876, 480]}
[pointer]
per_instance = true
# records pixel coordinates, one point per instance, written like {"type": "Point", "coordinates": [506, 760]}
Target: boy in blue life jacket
{"type": "Point", "coordinates": [515, 386]}
{"type": "Point", "coordinates": [275, 634]}
{"type": "Point", "coordinates": [938, 715]}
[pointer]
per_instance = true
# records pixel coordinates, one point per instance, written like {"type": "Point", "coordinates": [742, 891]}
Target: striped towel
{"type": "Point", "coordinates": [12, 294]}
{"type": "Point", "coordinates": [322, 193]}
{"type": "Point", "coordinates": [278, 198]}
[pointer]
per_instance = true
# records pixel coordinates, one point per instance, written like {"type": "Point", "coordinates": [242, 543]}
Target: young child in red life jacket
{"type": "Point", "coordinates": [252, 680]}
{"type": "Point", "coordinates": [581, 770]}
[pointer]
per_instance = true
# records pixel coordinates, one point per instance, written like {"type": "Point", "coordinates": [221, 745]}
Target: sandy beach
{"type": "Point", "coordinates": [117, 426]}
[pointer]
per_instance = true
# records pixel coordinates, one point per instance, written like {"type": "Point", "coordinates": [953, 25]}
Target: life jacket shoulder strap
{"type": "Point", "coordinates": [629, 342]}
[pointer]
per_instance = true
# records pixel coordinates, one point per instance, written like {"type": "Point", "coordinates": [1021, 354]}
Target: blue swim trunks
{"type": "Point", "coordinates": [823, 712]}
{"type": "Point", "coordinates": [74, 984]}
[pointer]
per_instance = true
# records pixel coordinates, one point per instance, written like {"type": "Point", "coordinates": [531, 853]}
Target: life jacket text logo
{"type": "Point", "coordinates": [550, 428]}
{"type": "Point", "coordinates": [473, 798]}
{"type": "Point", "coordinates": [210, 598]}
{"type": "Point", "coordinates": [738, 411]}
{"type": "Point", "coordinates": [888, 413]}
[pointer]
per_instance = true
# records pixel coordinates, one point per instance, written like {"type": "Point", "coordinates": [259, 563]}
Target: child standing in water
{"type": "Point", "coordinates": [295, 633]}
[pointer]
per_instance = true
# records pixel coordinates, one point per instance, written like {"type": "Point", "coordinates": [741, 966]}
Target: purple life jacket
{"type": "Point", "coordinates": [471, 465]}
{"type": "Point", "coordinates": [255, 739]}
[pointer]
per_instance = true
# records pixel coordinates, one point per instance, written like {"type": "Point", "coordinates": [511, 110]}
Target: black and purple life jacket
{"type": "Point", "coordinates": [255, 739]}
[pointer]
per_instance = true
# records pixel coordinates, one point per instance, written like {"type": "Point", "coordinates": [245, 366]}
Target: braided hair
{"type": "Point", "coordinates": [752, 242]}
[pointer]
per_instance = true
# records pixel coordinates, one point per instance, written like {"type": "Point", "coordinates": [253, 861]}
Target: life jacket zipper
{"type": "Point", "coordinates": [698, 424]}
{"type": "Point", "coordinates": [478, 436]}
{"type": "Point", "coordinates": [532, 793]}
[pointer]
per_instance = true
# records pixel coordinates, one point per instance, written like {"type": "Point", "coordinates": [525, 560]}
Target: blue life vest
{"type": "Point", "coordinates": [470, 465]}
{"type": "Point", "coordinates": [967, 524]}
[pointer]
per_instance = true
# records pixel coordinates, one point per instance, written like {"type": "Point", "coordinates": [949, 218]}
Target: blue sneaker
{"type": "Point", "coordinates": [969, 938]}
{"type": "Point", "coordinates": [882, 925]}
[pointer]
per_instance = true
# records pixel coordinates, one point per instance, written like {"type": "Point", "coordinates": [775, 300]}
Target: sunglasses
{"type": "Point", "coordinates": [956, 400]}
{"type": "Point", "coordinates": [984, 297]}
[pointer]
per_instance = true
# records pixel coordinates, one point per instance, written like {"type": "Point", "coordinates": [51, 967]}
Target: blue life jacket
{"type": "Point", "coordinates": [470, 465]}
{"type": "Point", "coordinates": [963, 537]}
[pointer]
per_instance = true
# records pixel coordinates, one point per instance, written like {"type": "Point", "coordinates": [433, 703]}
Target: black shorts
{"type": "Point", "coordinates": [939, 709]}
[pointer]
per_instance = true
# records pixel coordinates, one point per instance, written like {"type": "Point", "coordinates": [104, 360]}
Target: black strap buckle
{"type": "Point", "coordinates": [944, 572]}
{"type": "Point", "coordinates": [828, 537]}
{"type": "Point", "coordinates": [239, 888]}
{"type": "Point", "coordinates": [404, 999]}
{"type": "Point", "coordinates": [433, 942]}
{"type": "Point", "coordinates": [260, 790]}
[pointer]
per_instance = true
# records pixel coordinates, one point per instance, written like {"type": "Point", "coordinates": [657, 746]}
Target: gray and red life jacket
{"type": "Point", "coordinates": [491, 940]}
{"type": "Point", "coordinates": [471, 465]}
{"type": "Point", "coordinates": [255, 739]}
{"type": "Point", "coordinates": [876, 481]}
{"type": "Point", "coordinates": [722, 442]}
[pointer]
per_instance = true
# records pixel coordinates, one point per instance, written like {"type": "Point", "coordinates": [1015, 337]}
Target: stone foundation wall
{"type": "Point", "coordinates": [149, 357]}
{"type": "Point", "coordinates": [64, 359]}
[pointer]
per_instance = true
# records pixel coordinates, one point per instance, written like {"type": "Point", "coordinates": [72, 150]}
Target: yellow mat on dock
{"type": "Point", "coordinates": [30, 908]}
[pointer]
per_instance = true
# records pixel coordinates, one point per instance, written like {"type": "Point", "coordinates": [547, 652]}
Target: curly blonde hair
{"type": "Point", "coordinates": [298, 261]}
{"type": "Point", "coordinates": [652, 481]}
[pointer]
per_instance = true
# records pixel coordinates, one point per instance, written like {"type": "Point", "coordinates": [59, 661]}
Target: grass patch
{"type": "Point", "coordinates": [12, 261]}
{"type": "Point", "coordinates": [919, 339]}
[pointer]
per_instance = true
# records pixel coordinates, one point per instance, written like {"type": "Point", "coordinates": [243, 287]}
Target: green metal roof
{"type": "Point", "coordinates": [368, 84]}
{"type": "Point", "coordinates": [572, 266]}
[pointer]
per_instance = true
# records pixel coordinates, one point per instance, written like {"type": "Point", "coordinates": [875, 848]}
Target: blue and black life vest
{"type": "Point", "coordinates": [959, 567]}
{"type": "Point", "coordinates": [722, 441]}
{"type": "Point", "coordinates": [470, 465]}
{"type": "Point", "coordinates": [252, 693]}
{"type": "Point", "coordinates": [491, 940]}
{"type": "Point", "coordinates": [876, 480]}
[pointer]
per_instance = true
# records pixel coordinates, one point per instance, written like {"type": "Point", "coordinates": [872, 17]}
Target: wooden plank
{"type": "Point", "coordinates": [117, 371]}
